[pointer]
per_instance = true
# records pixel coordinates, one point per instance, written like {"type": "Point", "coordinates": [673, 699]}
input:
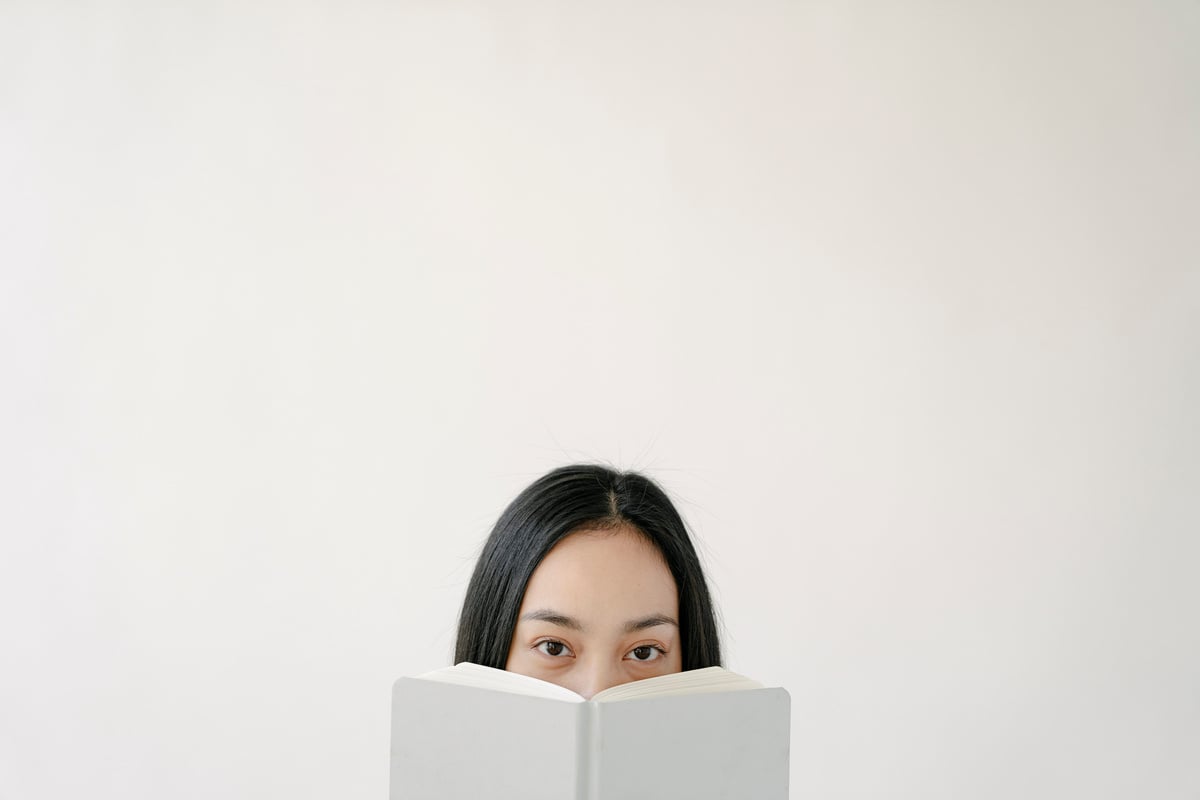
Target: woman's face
{"type": "Point", "coordinates": [601, 609]}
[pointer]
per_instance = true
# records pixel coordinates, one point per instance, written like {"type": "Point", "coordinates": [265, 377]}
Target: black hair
{"type": "Point", "coordinates": [566, 500]}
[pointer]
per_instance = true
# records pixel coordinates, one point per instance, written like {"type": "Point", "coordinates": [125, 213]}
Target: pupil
{"type": "Point", "coordinates": [554, 648]}
{"type": "Point", "coordinates": [641, 653]}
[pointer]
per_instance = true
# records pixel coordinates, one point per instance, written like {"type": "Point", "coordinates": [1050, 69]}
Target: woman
{"type": "Point", "coordinates": [589, 580]}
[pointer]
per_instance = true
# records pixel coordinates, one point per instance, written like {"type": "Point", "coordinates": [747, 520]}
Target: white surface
{"type": "Point", "coordinates": [900, 301]}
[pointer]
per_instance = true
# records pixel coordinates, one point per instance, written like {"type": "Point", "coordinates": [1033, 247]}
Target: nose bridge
{"type": "Point", "coordinates": [599, 674]}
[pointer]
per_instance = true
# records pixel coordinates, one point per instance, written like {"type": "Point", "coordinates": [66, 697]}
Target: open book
{"type": "Point", "coordinates": [475, 732]}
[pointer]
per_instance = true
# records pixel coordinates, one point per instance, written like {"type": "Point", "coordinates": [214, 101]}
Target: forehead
{"type": "Point", "coordinates": [603, 578]}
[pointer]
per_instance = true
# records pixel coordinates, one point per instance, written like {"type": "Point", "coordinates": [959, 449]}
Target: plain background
{"type": "Point", "coordinates": [899, 301]}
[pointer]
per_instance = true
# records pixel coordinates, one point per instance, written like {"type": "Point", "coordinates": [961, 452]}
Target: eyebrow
{"type": "Point", "coordinates": [554, 618]}
{"type": "Point", "coordinates": [652, 621]}
{"type": "Point", "coordinates": [562, 620]}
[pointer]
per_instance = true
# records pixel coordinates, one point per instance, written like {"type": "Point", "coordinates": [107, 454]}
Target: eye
{"type": "Point", "coordinates": [646, 652]}
{"type": "Point", "coordinates": [553, 647]}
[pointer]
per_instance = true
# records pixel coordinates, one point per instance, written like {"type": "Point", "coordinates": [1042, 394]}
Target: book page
{"type": "Point", "coordinates": [696, 681]}
{"type": "Point", "coordinates": [480, 677]}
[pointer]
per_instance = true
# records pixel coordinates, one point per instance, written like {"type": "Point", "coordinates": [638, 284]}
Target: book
{"type": "Point", "coordinates": [469, 731]}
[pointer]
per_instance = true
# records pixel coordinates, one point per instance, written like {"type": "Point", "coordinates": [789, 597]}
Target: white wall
{"type": "Point", "coordinates": [901, 301]}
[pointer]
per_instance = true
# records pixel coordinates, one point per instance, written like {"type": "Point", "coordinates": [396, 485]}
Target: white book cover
{"type": "Point", "coordinates": [475, 732]}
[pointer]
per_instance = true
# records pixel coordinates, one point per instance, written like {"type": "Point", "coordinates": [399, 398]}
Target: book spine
{"type": "Point", "coordinates": [587, 772]}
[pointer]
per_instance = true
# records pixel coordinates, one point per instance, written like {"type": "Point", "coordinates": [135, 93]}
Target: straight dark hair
{"type": "Point", "coordinates": [566, 500]}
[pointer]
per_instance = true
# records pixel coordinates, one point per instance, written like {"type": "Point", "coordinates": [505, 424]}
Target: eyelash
{"type": "Point", "coordinates": [660, 652]}
{"type": "Point", "coordinates": [538, 646]}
